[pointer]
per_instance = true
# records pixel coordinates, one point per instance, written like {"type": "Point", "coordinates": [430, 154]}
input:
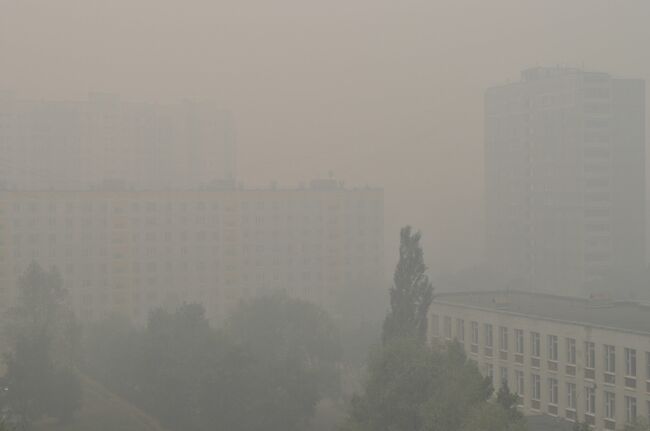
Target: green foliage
{"type": "Point", "coordinates": [492, 417]}
{"type": "Point", "coordinates": [285, 330]}
{"type": "Point", "coordinates": [411, 293]}
{"type": "Point", "coordinates": [581, 426]}
{"type": "Point", "coordinates": [267, 370]}
{"type": "Point", "coordinates": [640, 425]}
{"type": "Point", "coordinates": [508, 402]}
{"type": "Point", "coordinates": [412, 387]}
{"type": "Point", "coordinates": [40, 380]}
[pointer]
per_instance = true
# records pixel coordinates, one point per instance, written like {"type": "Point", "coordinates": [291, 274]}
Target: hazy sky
{"type": "Point", "coordinates": [381, 92]}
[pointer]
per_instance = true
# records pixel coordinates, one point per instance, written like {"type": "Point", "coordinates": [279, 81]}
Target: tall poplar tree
{"type": "Point", "coordinates": [411, 293]}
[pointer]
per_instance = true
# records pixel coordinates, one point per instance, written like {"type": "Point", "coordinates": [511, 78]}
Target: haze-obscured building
{"type": "Point", "coordinates": [572, 358]}
{"type": "Point", "coordinates": [66, 145]}
{"type": "Point", "coordinates": [565, 178]}
{"type": "Point", "coordinates": [127, 251]}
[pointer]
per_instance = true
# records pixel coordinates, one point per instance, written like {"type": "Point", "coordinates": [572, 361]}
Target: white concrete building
{"type": "Point", "coordinates": [579, 359]}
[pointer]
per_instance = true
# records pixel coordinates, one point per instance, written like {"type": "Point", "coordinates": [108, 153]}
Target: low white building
{"type": "Point", "coordinates": [575, 358]}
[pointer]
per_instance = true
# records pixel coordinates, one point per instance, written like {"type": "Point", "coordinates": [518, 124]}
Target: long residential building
{"type": "Point", "coordinates": [579, 359]}
{"type": "Point", "coordinates": [126, 252]}
{"type": "Point", "coordinates": [565, 179]}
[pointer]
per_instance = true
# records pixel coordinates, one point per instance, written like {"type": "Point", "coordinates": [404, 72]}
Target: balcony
{"type": "Point", "coordinates": [630, 382]}
{"type": "Point", "coordinates": [570, 370]}
{"type": "Point", "coordinates": [534, 362]}
{"type": "Point", "coordinates": [552, 365]}
{"type": "Point", "coordinates": [609, 378]}
{"type": "Point", "coordinates": [519, 358]}
{"type": "Point", "coordinates": [503, 355]}
{"type": "Point", "coordinates": [590, 373]}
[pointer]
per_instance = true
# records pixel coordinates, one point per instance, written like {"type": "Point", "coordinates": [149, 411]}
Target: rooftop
{"type": "Point", "coordinates": [626, 316]}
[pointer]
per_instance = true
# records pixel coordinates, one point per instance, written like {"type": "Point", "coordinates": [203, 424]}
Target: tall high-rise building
{"type": "Point", "coordinates": [565, 178]}
{"type": "Point", "coordinates": [66, 145]}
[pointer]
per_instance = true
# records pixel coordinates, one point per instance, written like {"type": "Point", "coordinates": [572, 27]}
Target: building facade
{"type": "Point", "coordinates": [126, 252]}
{"type": "Point", "coordinates": [565, 178]}
{"type": "Point", "coordinates": [578, 359]}
{"type": "Point", "coordinates": [66, 145]}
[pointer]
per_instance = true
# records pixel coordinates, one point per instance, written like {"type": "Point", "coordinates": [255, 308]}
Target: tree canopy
{"type": "Point", "coordinates": [40, 378]}
{"type": "Point", "coordinates": [275, 359]}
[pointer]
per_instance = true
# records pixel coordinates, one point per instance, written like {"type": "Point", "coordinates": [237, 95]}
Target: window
{"type": "Point", "coordinates": [519, 341]}
{"type": "Point", "coordinates": [435, 325]}
{"type": "Point", "coordinates": [630, 362]}
{"type": "Point", "coordinates": [474, 332]}
{"type": "Point", "coordinates": [488, 335]}
{"type": "Point", "coordinates": [590, 398]}
{"type": "Point", "coordinates": [610, 359]}
{"type": "Point", "coordinates": [489, 372]}
{"type": "Point", "coordinates": [590, 355]}
{"type": "Point", "coordinates": [519, 382]}
{"type": "Point", "coordinates": [447, 327]}
{"type": "Point", "coordinates": [534, 344]}
{"type": "Point", "coordinates": [552, 391]}
{"type": "Point", "coordinates": [630, 409]}
{"type": "Point", "coordinates": [571, 351]}
{"type": "Point", "coordinates": [647, 368]}
{"type": "Point", "coordinates": [552, 347]}
{"type": "Point", "coordinates": [503, 339]}
{"type": "Point", "coordinates": [571, 395]}
{"type": "Point", "coordinates": [503, 374]}
{"type": "Point", "coordinates": [460, 330]}
{"type": "Point", "coordinates": [536, 387]}
{"type": "Point", "coordinates": [610, 405]}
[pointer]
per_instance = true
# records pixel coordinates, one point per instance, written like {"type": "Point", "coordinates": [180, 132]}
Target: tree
{"type": "Point", "coordinates": [508, 401]}
{"type": "Point", "coordinates": [40, 379]}
{"type": "Point", "coordinates": [500, 416]}
{"type": "Point", "coordinates": [411, 293]}
{"type": "Point", "coordinates": [492, 417]}
{"type": "Point", "coordinates": [581, 426]}
{"type": "Point", "coordinates": [412, 387]}
{"type": "Point", "coordinates": [641, 424]}
{"type": "Point", "coordinates": [278, 328]}
{"type": "Point", "coordinates": [267, 370]}
{"type": "Point", "coordinates": [296, 350]}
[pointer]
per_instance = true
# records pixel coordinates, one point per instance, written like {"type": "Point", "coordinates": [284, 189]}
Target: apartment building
{"type": "Point", "coordinates": [64, 145]}
{"type": "Point", "coordinates": [126, 252]}
{"type": "Point", "coordinates": [565, 179]}
{"type": "Point", "coordinates": [578, 359]}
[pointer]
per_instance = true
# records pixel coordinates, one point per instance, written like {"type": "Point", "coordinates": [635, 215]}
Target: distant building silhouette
{"type": "Point", "coordinates": [565, 178]}
{"type": "Point", "coordinates": [67, 145]}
